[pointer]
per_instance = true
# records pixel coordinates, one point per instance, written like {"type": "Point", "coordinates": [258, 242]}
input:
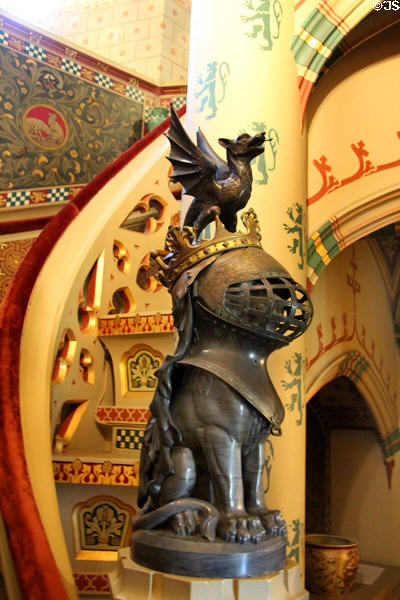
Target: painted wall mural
{"type": "Point", "coordinates": [364, 167]}
{"type": "Point", "coordinates": [269, 459]}
{"type": "Point", "coordinates": [295, 369]}
{"type": "Point", "coordinates": [360, 360]}
{"type": "Point", "coordinates": [265, 164]}
{"type": "Point", "coordinates": [295, 534]}
{"type": "Point", "coordinates": [56, 128]}
{"type": "Point", "coordinates": [264, 18]}
{"type": "Point", "coordinates": [296, 228]}
{"type": "Point", "coordinates": [355, 334]}
{"type": "Point", "coordinates": [212, 83]}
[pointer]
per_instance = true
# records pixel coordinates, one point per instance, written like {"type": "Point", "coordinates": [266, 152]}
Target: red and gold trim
{"type": "Point", "coordinates": [95, 473]}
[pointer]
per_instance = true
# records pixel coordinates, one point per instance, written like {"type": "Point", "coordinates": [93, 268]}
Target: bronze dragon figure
{"type": "Point", "coordinates": [210, 179]}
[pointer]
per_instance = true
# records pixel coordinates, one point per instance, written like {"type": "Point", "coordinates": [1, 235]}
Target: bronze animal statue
{"type": "Point", "coordinates": [211, 180]}
{"type": "Point", "coordinates": [203, 451]}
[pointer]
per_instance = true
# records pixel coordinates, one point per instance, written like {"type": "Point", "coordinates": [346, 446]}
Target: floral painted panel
{"type": "Point", "coordinates": [56, 128]}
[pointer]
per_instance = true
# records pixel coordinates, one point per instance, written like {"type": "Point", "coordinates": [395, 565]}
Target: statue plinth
{"type": "Point", "coordinates": [193, 556]}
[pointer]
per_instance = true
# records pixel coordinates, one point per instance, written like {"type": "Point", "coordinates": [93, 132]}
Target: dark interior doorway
{"type": "Point", "coordinates": [338, 405]}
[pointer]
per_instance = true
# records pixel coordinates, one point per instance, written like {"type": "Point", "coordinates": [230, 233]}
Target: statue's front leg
{"type": "Point", "coordinates": [223, 455]}
{"type": "Point", "coordinates": [253, 469]}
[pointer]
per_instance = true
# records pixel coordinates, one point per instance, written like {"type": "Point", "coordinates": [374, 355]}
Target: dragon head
{"type": "Point", "coordinates": [244, 146]}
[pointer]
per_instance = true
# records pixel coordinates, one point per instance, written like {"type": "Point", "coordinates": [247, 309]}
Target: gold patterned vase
{"type": "Point", "coordinates": [331, 564]}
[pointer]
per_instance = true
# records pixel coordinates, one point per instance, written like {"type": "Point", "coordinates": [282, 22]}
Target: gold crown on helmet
{"type": "Point", "coordinates": [183, 250]}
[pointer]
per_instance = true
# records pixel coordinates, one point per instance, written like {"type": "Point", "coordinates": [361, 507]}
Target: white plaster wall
{"type": "Point", "coordinates": [363, 507]}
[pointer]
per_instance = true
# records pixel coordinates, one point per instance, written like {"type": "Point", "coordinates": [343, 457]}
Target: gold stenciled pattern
{"type": "Point", "coordinates": [95, 473]}
{"type": "Point", "coordinates": [11, 254]}
{"type": "Point", "coordinates": [158, 323]}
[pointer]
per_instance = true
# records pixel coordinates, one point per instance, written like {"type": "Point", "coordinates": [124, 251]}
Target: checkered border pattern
{"type": "Point", "coordinates": [20, 198]}
{"type": "Point", "coordinates": [104, 80]}
{"type": "Point", "coordinates": [134, 93]}
{"type": "Point", "coordinates": [57, 194]}
{"type": "Point", "coordinates": [178, 101]}
{"type": "Point", "coordinates": [71, 67]}
{"type": "Point", "coordinates": [35, 51]}
{"type": "Point", "coordinates": [147, 112]}
{"type": "Point", "coordinates": [128, 439]}
{"type": "Point", "coordinates": [25, 197]}
{"type": "Point", "coordinates": [3, 37]}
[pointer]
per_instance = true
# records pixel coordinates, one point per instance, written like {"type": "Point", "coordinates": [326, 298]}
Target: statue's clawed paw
{"type": "Point", "coordinates": [242, 530]}
{"type": "Point", "coordinates": [184, 523]}
{"type": "Point", "coordinates": [274, 523]}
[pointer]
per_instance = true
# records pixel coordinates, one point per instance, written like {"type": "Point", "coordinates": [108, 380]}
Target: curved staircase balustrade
{"type": "Point", "coordinates": [28, 320]}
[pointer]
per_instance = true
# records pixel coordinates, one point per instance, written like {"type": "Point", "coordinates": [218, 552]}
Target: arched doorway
{"type": "Point", "coordinates": [334, 410]}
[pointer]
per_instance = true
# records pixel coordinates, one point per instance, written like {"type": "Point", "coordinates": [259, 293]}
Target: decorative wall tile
{"type": "Point", "coordinates": [181, 36]}
{"type": "Point", "coordinates": [73, 24]}
{"type": "Point", "coordinates": [125, 12]}
{"type": "Point", "coordinates": [175, 12]}
{"type": "Point", "coordinates": [162, 66]}
{"type": "Point", "coordinates": [99, 18]}
{"type": "Point", "coordinates": [89, 39]}
{"type": "Point", "coordinates": [128, 439]}
{"type": "Point", "coordinates": [175, 54]}
{"type": "Point", "coordinates": [111, 35]}
{"type": "Point", "coordinates": [161, 26]}
{"type": "Point", "coordinates": [138, 369]}
{"type": "Point", "coordinates": [102, 523]}
{"type": "Point", "coordinates": [151, 8]}
{"type": "Point", "coordinates": [138, 30]}
{"type": "Point", "coordinates": [92, 583]}
{"type": "Point", "coordinates": [125, 51]}
{"type": "Point", "coordinates": [178, 73]}
{"type": "Point", "coordinates": [149, 47]}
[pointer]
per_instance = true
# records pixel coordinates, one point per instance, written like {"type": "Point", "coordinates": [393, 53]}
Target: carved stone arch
{"type": "Point", "coordinates": [348, 226]}
{"type": "Point", "coordinates": [356, 367]}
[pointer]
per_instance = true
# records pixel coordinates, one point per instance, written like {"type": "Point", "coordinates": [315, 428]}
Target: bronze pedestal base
{"type": "Point", "coordinates": [194, 557]}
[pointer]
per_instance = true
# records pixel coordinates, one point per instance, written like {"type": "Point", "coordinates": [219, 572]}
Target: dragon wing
{"type": "Point", "coordinates": [222, 166]}
{"type": "Point", "coordinates": [194, 167]}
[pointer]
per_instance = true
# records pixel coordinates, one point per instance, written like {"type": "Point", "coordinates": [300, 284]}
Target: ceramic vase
{"type": "Point", "coordinates": [331, 564]}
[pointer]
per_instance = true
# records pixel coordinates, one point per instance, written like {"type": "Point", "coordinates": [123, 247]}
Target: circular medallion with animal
{"type": "Point", "coordinates": [45, 126]}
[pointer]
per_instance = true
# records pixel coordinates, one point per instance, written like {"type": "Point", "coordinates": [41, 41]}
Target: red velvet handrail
{"type": "Point", "coordinates": [34, 563]}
